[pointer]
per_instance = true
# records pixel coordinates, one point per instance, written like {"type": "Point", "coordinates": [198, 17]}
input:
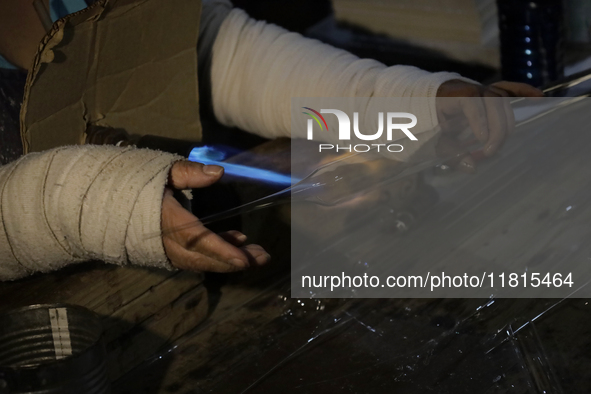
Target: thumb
{"type": "Point", "coordinates": [187, 175]}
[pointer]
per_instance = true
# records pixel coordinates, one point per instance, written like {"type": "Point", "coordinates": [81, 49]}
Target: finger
{"type": "Point", "coordinates": [509, 115]}
{"type": "Point", "coordinates": [257, 255]}
{"type": "Point", "coordinates": [234, 237]}
{"type": "Point", "coordinates": [185, 259]}
{"type": "Point", "coordinates": [197, 237]}
{"type": "Point", "coordinates": [517, 89]}
{"type": "Point", "coordinates": [475, 111]}
{"type": "Point", "coordinates": [455, 155]}
{"type": "Point", "coordinates": [467, 165]}
{"type": "Point", "coordinates": [202, 240]}
{"type": "Point", "coordinates": [497, 125]}
{"type": "Point", "coordinates": [498, 91]}
{"type": "Point", "coordinates": [186, 174]}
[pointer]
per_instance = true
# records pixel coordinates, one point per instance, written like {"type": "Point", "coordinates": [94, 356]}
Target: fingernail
{"type": "Point", "coordinates": [212, 169]}
{"type": "Point", "coordinates": [264, 258]}
{"type": "Point", "coordinates": [241, 238]}
{"type": "Point", "coordinates": [239, 263]}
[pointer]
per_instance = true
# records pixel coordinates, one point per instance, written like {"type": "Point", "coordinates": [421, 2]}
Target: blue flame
{"type": "Point", "coordinates": [209, 155]}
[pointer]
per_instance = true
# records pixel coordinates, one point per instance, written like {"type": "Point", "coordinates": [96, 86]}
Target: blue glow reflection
{"type": "Point", "coordinates": [209, 155]}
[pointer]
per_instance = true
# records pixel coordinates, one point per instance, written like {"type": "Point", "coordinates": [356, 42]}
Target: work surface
{"type": "Point", "coordinates": [259, 340]}
{"type": "Point", "coordinates": [270, 344]}
{"type": "Point", "coordinates": [242, 333]}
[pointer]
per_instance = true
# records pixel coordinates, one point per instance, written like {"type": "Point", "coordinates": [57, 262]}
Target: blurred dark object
{"type": "Point", "coordinates": [366, 44]}
{"type": "Point", "coordinates": [290, 14]}
{"type": "Point", "coordinates": [12, 86]}
{"type": "Point", "coordinates": [578, 22]}
{"type": "Point", "coordinates": [51, 349]}
{"type": "Point", "coordinates": [532, 40]}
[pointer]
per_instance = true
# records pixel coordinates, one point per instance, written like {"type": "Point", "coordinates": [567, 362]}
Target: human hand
{"type": "Point", "coordinates": [197, 248]}
{"type": "Point", "coordinates": [483, 108]}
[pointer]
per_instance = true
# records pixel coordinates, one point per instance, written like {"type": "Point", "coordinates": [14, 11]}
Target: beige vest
{"type": "Point", "coordinates": [128, 64]}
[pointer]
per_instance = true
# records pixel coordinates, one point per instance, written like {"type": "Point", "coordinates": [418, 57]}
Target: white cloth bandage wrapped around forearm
{"type": "Point", "coordinates": [257, 68]}
{"type": "Point", "coordinates": [75, 204]}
